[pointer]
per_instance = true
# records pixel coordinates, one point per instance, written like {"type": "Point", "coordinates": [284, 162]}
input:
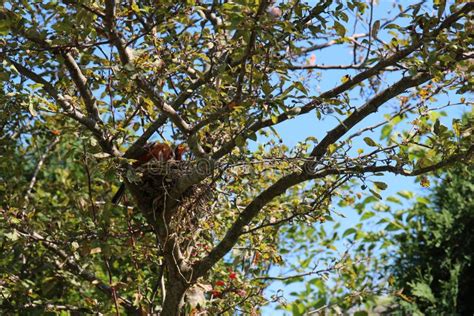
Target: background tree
{"type": "Point", "coordinates": [87, 83]}
{"type": "Point", "coordinates": [434, 264]}
{"type": "Point", "coordinates": [415, 261]}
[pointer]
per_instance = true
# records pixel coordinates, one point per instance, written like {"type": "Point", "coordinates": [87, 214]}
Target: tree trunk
{"type": "Point", "coordinates": [174, 299]}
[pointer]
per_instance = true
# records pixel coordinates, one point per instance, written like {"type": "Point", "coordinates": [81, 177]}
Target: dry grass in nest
{"type": "Point", "coordinates": [193, 206]}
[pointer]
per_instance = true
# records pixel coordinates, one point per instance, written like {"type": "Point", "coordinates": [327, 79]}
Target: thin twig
{"type": "Point", "coordinates": [38, 168]}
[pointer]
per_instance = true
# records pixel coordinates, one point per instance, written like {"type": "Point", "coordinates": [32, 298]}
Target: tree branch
{"type": "Point", "coordinates": [38, 168]}
{"type": "Point", "coordinates": [336, 266]}
{"type": "Point", "coordinates": [381, 65]}
{"type": "Point", "coordinates": [326, 67]}
{"type": "Point", "coordinates": [370, 107]}
{"type": "Point", "coordinates": [249, 49]}
{"type": "Point", "coordinates": [167, 109]}
{"type": "Point", "coordinates": [244, 218]}
{"type": "Point", "coordinates": [315, 204]}
{"type": "Point", "coordinates": [81, 83]}
{"type": "Point", "coordinates": [76, 268]}
{"type": "Point", "coordinates": [109, 20]}
{"type": "Point", "coordinates": [329, 43]}
{"type": "Point", "coordinates": [290, 180]}
{"type": "Point", "coordinates": [65, 103]}
{"type": "Point", "coordinates": [459, 157]}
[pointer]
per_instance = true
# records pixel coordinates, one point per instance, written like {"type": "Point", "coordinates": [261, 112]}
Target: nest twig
{"type": "Point", "coordinates": [159, 178]}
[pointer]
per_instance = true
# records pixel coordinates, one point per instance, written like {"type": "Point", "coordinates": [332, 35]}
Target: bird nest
{"type": "Point", "coordinates": [157, 181]}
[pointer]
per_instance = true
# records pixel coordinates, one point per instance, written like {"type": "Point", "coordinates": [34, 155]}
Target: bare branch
{"type": "Point", "coordinates": [315, 11]}
{"type": "Point", "coordinates": [336, 266]}
{"type": "Point", "coordinates": [400, 112]}
{"type": "Point", "coordinates": [249, 49]}
{"type": "Point", "coordinates": [326, 67]}
{"type": "Point", "coordinates": [354, 37]}
{"type": "Point", "coordinates": [330, 43]}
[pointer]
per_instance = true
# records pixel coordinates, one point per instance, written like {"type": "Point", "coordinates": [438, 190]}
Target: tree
{"type": "Point", "coordinates": [86, 84]}
{"type": "Point", "coordinates": [434, 263]}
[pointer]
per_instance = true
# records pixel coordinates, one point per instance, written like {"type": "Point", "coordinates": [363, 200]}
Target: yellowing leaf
{"type": "Point", "coordinates": [95, 250]}
{"type": "Point", "coordinates": [332, 148]}
{"type": "Point", "coordinates": [423, 93]}
{"type": "Point", "coordinates": [345, 79]}
{"type": "Point", "coordinates": [135, 7]}
{"type": "Point", "coordinates": [32, 110]}
{"type": "Point", "coordinates": [425, 182]}
{"type": "Point", "coordinates": [101, 155]}
{"type": "Point", "coordinates": [375, 28]}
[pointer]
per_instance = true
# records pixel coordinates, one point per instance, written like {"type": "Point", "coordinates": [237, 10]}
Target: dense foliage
{"type": "Point", "coordinates": [435, 264]}
{"type": "Point", "coordinates": [86, 84]}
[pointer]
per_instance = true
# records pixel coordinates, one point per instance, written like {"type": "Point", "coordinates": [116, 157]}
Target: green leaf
{"type": "Point", "coordinates": [367, 215]}
{"type": "Point", "coordinates": [369, 141]}
{"type": "Point", "coordinates": [300, 86]}
{"type": "Point", "coordinates": [436, 127]}
{"type": "Point", "coordinates": [349, 231]}
{"type": "Point", "coordinates": [375, 28]}
{"type": "Point", "coordinates": [267, 88]}
{"type": "Point", "coordinates": [392, 227]}
{"type": "Point", "coordinates": [394, 200]}
{"type": "Point", "coordinates": [380, 185]}
{"type": "Point", "coordinates": [386, 131]}
{"type": "Point", "coordinates": [340, 29]}
{"type": "Point", "coordinates": [406, 194]}
{"type": "Point", "coordinates": [423, 291]}
{"type": "Point", "coordinates": [240, 141]}
{"type": "Point", "coordinates": [378, 196]}
{"type": "Point", "coordinates": [297, 309]}
{"type": "Point", "coordinates": [135, 8]}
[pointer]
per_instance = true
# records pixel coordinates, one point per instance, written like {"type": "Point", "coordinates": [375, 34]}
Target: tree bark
{"type": "Point", "coordinates": [174, 299]}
